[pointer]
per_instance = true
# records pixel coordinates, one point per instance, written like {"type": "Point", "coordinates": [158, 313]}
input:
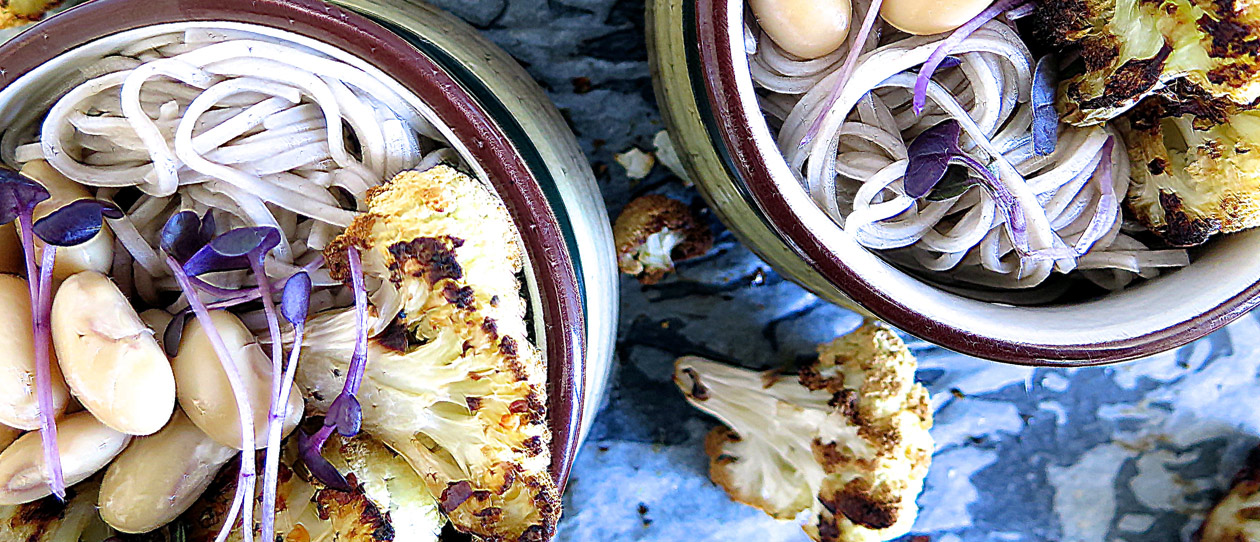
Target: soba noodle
{"type": "Point", "coordinates": [263, 133]}
{"type": "Point", "coordinates": [854, 166]}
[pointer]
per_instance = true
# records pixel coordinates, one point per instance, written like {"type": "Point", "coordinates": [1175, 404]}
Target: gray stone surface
{"type": "Point", "coordinates": [1130, 453]}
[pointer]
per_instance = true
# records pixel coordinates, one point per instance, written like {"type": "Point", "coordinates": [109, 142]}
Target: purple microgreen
{"type": "Point", "coordinates": [956, 183]}
{"type": "Point", "coordinates": [846, 71]}
{"type": "Point", "coordinates": [295, 301]}
{"type": "Point", "coordinates": [43, 374]}
{"type": "Point", "coordinates": [1045, 124]}
{"type": "Point", "coordinates": [310, 450]}
{"type": "Point", "coordinates": [18, 195]}
{"type": "Point", "coordinates": [346, 414]}
{"type": "Point", "coordinates": [75, 223]}
{"type": "Point", "coordinates": [246, 480]}
{"type": "Point", "coordinates": [1108, 206]}
{"type": "Point", "coordinates": [174, 333]}
{"type": "Point", "coordinates": [947, 46]}
{"type": "Point", "coordinates": [183, 235]}
{"type": "Point", "coordinates": [930, 155]}
{"type": "Point", "coordinates": [234, 250]}
{"type": "Point", "coordinates": [208, 227]}
{"type": "Point", "coordinates": [1021, 11]}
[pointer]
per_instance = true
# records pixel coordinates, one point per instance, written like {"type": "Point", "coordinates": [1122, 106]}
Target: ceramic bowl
{"type": "Point", "coordinates": [492, 113]}
{"type": "Point", "coordinates": [706, 94]}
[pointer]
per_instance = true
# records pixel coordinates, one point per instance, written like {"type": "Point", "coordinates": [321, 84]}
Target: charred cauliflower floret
{"type": "Point", "coordinates": [653, 232]}
{"type": "Point", "coordinates": [1131, 48]}
{"type": "Point", "coordinates": [454, 384]}
{"type": "Point", "coordinates": [843, 448]}
{"type": "Point", "coordinates": [1236, 518]}
{"type": "Point", "coordinates": [1194, 176]}
{"type": "Point", "coordinates": [19, 12]}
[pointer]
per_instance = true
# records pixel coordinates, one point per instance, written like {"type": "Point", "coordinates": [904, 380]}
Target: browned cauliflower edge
{"type": "Point", "coordinates": [843, 448]}
{"type": "Point", "coordinates": [652, 232]}
{"type": "Point", "coordinates": [1129, 49]}
{"type": "Point", "coordinates": [1196, 172]}
{"type": "Point", "coordinates": [1236, 518]}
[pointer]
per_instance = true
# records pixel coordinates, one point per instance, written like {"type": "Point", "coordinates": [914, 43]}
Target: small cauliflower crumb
{"type": "Point", "coordinates": [653, 232]}
{"type": "Point", "coordinates": [667, 154]}
{"type": "Point", "coordinates": [843, 448]}
{"type": "Point", "coordinates": [638, 164]}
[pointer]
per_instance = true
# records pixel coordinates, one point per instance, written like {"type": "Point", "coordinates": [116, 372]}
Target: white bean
{"type": "Point", "coordinates": [8, 435]}
{"type": "Point", "coordinates": [160, 476]}
{"type": "Point", "coordinates": [18, 405]}
{"type": "Point", "coordinates": [203, 389]}
{"type": "Point", "coordinates": [12, 257]}
{"type": "Point", "coordinates": [109, 357]}
{"type": "Point", "coordinates": [805, 28]}
{"type": "Point", "coordinates": [925, 17]}
{"type": "Point", "coordinates": [85, 446]}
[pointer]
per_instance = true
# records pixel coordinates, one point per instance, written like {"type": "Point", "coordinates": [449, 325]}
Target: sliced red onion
{"type": "Point", "coordinates": [948, 44]}
{"type": "Point", "coordinates": [846, 71]}
{"type": "Point", "coordinates": [1108, 205]}
{"type": "Point", "coordinates": [1045, 123]}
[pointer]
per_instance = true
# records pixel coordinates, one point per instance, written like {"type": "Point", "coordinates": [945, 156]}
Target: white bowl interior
{"type": "Point", "coordinates": [49, 80]}
{"type": "Point", "coordinates": [1221, 270]}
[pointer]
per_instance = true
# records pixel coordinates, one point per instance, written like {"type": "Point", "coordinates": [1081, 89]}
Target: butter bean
{"type": "Point", "coordinates": [109, 357]}
{"type": "Point", "coordinates": [12, 258]}
{"type": "Point", "coordinates": [85, 444]}
{"type": "Point", "coordinates": [926, 17]}
{"type": "Point", "coordinates": [805, 28]}
{"type": "Point", "coordinates": [8, 435]}
{"type": "Point", "coordinates": [19, 407]}
{"type": "Point", "coordinates": [203, 389]}
{"type": "Point", "coordinates": [160, 476]}
{"type": "Point", "coordinates": [97, 254]}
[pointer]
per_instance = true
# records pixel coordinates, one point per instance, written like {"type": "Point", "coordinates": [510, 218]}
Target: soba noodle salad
{"type": "Point", "coordinates": [929, 131]}
{"type": "Point", "coordinates": [254, 293]}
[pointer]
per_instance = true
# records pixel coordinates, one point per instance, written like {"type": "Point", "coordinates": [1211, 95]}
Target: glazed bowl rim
{"type": "Point", "coordinates": [493, 151]}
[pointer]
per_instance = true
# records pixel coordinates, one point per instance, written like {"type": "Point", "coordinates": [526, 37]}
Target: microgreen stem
{"type": "Point", "coordinates": [279, 410]}
{"type": "Point", "coordinates": [846, 71]}
{"type": "Point", "coordinates": [247, 481]}
{"type": "Point", "coordinates": [43, 368]}
{"type": "Point", "coordinates": [358, 360]}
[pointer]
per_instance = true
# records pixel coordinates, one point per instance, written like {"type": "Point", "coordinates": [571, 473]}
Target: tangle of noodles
{"type": "Point", "coordinates": [262, 132]}
{"type": "Point", "coordinates": [854, 166]}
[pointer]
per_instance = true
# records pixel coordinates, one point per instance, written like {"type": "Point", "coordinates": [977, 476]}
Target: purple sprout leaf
{"type": "Point", "coordinates": [295, 301]}
{"type": "Point", "coordinates": [346, 415]}
{"type": "Point", "coordinates": [310, 448]}
{"type": "Point", "coordinates": [184, 235]}
{"type": "Point", "coordinates": [948, 44]}
{"type": "Point", "coordinates": [18, 195]}
{"type": "Point", "coordinates": [1045, 124]}
{"type": "Point", "coordinates": [957, 182]}
{"type": "Point", "coordinates": [174, 333]}
{"type": "Point", "coordinates": [208, 226]}
{"type": "Point", "coordinates": [236, 249]}
{"type": "Point", "coordinates": [76, 223]}
{"type": "Point", "coordinates": [930, 155]}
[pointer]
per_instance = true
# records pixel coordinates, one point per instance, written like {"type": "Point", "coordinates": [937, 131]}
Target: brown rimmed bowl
{"type": "Point", "coordinates": [492, 114]}
{"type": "Point", "coordinates": [706, 94]}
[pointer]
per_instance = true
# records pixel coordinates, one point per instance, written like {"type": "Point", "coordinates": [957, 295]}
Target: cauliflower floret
{"type": "Point", "coordinates": [843, 448]}
{"type": "Point", "coordinates": [16, 13]}
{"type": "Point", "coordinates": [1194, 176]}
{"type": "Point", "coordinates": [454, 384]}
{"type": "Point", "coordinates": [653, 232]}
{"type": "Point", "coordinates": [1236, 518]}
{"type": "Point", "coordinates": [1132, 48]}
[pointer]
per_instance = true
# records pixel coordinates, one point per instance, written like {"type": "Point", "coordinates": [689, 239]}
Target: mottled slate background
{"type": "Point", "coordinates": [1133, 453]}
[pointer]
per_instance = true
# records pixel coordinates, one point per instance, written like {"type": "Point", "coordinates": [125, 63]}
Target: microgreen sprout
{"type": "Point", "coordinates": [948, 44]}
{"type": "Point", "coordinates": [846, 70]}
{"type": "Point", "coordinates": [345, 414]}
{"type": "Point", "coordinates": [174, 236]}
{"type": "Point", "coordinates": [1045, 124]}
{"type": "Point", "coordinates": [295, 303]}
